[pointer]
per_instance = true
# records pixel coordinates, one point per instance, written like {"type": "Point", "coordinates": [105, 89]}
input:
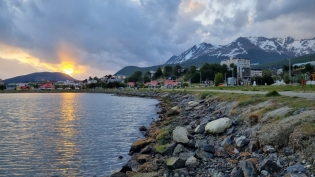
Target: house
{"type": "Point", "coordinates": [153, 83]}
{"type": "Point", "coordinates": [47, 86]}
{"type": "Point", "coordinates": [24, 88]}
{"type": "Point", "coordinates": [131, 84]}
{"type": "Point", "coordinates": [171, 83]}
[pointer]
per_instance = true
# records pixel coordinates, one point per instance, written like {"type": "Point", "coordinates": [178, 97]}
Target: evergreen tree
{"type": "Point", "coordinates": [218, 79]}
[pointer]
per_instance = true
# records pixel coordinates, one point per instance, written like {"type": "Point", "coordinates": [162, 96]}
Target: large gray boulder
{"type": "Point", "coordinates": [180, 135]}
{"type": "Point", "coordinates": [218, 126]}
{"type": "Point", "coordinates": [174, 110]}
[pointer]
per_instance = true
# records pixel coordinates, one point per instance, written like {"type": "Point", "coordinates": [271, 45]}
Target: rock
{"type": "Point", "coordinates": [215, 173]}
{"type": "Point", "coordinates": [237, 172]}
{"type": "Point", "coordinates": [118, 174]}
{"type": "Point", "coordinates": [180, 135]}
{"type": "Point", "coordinates": [287, 151]}
{"type": "Point", "coordinates": [241, 141]}
{"type": "Point", "coordinates": [143, 128]}
{"type": "Point", "coordinates": [269, 165]}
{"type": "Point", "coordinates": [139, 144]}
{"type": "Point", "coordinates": [200, 129]}
{"type": "Point", "coordinates": [294, 169]}
{"type": "Point", "coordinates": [185, 155]}
{"type": "Point", "coordinates": [165, 149]}
{"type": "Point", "coordinates": [125, 168]}
{"type": "Point", "coordinates": [295, 175]}
{"type": "Point", "coordinates": [248, 168]}
{"type": "Point", "coordinates": [209, 148]}
{"type": "Point", "coordinates": [253, 146]}
{"type": "Point", "coordinates": [146, 150]}
{"type": "Point", "coordinates": [203, 155]}
{"type": "Point", "coordinates": [264, 173]}
{"type": "Point", "coordinates": [191, 162]}
{"type": "Point", "coordinates": [175, 163]}
{"type": "Point", "coordinates": [193, 103]}
{"type": "Point", "coordinates": [178, 149]}
{"type": "Point", "coordinates": [218, 126]}
{"type": "Point", "coordinates": [143, 158]}
{"type": "Point", "coordinates": [230, 130]}
{"type": "Point", "coordinates": [221, 152]}
{"type": "Point", "coordinates": [174, 110]}
{"type": "Point", "coordinates": [192, 143]}
{"type": "Point", "coordinates": [269, 149]}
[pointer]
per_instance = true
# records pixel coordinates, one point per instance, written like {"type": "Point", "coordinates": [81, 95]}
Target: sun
{"type": "Point", "coordinates": [68, 71]}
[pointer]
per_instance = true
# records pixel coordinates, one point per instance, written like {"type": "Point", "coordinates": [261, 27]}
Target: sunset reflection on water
{"type": "Point", "coordinates": [68, 134]}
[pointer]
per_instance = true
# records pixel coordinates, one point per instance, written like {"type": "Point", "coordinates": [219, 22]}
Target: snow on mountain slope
{"type": "Point", "coordinates": [242, 45]}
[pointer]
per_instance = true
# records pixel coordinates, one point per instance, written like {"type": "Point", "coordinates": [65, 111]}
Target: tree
{"type": "Point", "coordinates": [2, 87]}
{"type": "Point", "coordinates": [168, 71]}
{"type": "Point", "coordinates": [136, 77]}
{"type": "Point", "coordinates": [218, 79]}
{"type": "Point", "coordinates": [158, 73]}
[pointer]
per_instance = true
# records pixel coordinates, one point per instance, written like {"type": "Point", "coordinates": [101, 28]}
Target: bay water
{"type": "Point", "coordinates": [69, 134]}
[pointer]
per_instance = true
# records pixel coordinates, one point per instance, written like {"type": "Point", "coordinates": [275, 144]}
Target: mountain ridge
{"type": "Point", "coordinates": [248, 47]}
{"type": "Point", "coordinates": [39, 76]}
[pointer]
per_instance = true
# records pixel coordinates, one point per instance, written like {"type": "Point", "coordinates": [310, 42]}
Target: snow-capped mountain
{"type": "Point", "coordinates": [258, 49]}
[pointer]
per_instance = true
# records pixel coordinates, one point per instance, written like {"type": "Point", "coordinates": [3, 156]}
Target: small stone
{"type": "Point", "coordinates": [287, 151]}
{"type": "Point", "coordinates": [191, 162]}
{"type": "Point", "coordinates": [209, 148]}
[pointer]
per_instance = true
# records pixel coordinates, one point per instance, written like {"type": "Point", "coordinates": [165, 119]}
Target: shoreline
{"type": "Point", "coordinates": [270, 138]}
{"type": "Point", "coordinates": [179, 143]}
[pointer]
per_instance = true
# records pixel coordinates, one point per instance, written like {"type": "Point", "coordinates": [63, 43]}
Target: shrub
{"type": "Point", "coordinates": [272, 93]}
{"type": "Point", "coordinates": [205, 95]}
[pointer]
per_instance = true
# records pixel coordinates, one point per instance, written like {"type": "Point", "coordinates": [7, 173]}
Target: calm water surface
{"type": "Point", "coordinates": [69, 134]}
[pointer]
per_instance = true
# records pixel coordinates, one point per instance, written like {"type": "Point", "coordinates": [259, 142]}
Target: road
{"type": "Point", "coordinates": [306, 95]}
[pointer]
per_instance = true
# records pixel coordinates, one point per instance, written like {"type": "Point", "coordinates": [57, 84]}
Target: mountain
{"type": "Point", "coordinates": [40, 76]}
{"type": "Point", "coordinates": [257, 49]}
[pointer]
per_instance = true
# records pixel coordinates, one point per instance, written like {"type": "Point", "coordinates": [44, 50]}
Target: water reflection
{"type": "Point", "coordinates": [68, 134]}
{"type": "Point", "coordinates": [65, 143]}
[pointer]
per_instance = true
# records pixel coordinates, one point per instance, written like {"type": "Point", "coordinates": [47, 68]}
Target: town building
{"type": "Point", "coordinates": [256, 73]}
{"type": "Point", "coordinates": [242, 65]}
{"type": "Point", "coordinates": [153, 83]}
{"type": "Point", "coordinates": [47, 86]}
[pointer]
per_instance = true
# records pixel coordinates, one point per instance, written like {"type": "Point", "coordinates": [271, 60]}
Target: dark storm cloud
{"type": "Point", "coordinates": [111, 34]}
{"type": "Point", "coordinates": [271, 9]}
{"type": "Point", "coordinates": [103, 31]}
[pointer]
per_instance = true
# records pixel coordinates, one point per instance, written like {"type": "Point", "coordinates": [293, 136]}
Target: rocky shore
{"type": "Point", "coordinates": [210, 137]}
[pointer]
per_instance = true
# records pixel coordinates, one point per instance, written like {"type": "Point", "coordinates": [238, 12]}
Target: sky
{"type": "Point", "coordinates": [100, 37]}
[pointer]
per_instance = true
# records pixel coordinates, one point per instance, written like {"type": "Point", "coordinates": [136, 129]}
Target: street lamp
{"type": "Point", "coordinates": [289, 69]}
{"type": "Point", "coordinates": [200, 77]}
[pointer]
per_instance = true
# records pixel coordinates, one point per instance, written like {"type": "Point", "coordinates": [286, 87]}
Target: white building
{"type": "Point", "coordinates": [242, 65]}
{"type": "Point", "coordinates": [67, 82]}
{"type": "Point", "coordinates": [255, 73]}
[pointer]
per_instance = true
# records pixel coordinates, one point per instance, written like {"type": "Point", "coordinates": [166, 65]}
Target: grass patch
{"type": "Point", "coordinates": [272, 94]}
{"type": "Point", "coordinates": [309, 129]}
{"type": "Point", "coordinates": [160, 149]}
{"type": "Point", "coordinates": [205, 95]}
{"type": "Point", "coordinates": [163, 136]}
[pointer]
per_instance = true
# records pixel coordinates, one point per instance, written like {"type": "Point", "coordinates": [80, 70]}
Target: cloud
{"type": "Point", "coordinates": [108, 35]}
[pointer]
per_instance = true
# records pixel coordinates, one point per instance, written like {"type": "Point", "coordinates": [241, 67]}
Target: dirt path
{"type": "Point", "coordinates": [284, 93]}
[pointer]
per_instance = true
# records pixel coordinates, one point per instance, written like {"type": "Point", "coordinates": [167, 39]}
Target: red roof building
{"type": "Point", "coordinates": [171, 83]}
{"type": "Point", "coordinates": [152, 83]}
{"type": "Point", "coordinates": [47, 86]}
{"type": "Point", "coordinates": [131, 84]}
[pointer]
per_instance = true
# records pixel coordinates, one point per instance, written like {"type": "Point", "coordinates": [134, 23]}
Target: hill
{"type": "Point", "coordinates": [129, 70]}
{"type": "Point", "coordinates": [279, 64]}
{"type": "Point", "coordinates": [39, 76]}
